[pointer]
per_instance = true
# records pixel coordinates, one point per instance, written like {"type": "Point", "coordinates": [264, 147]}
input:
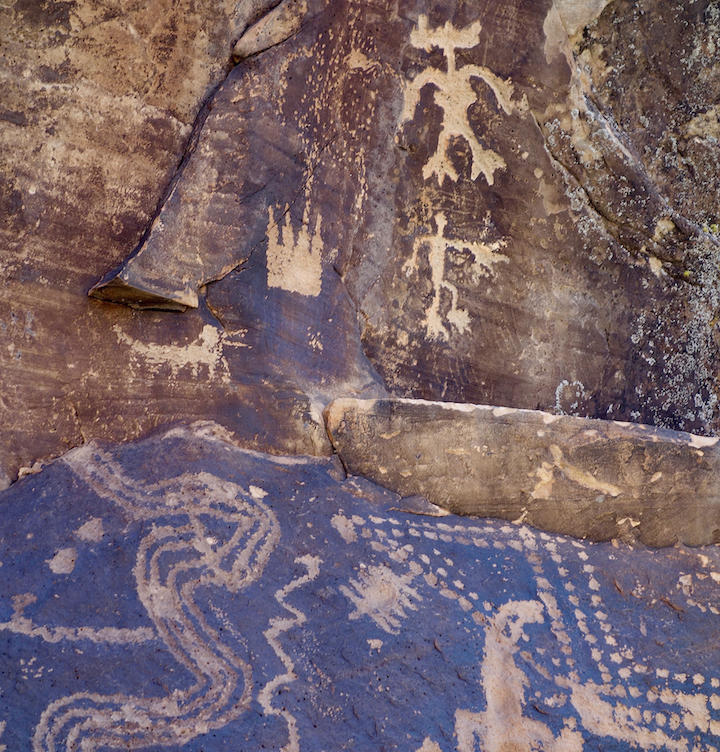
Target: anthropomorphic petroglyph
{"type": "Point", "coordinates": [454, 94]}
{"type": "Point", "coordinates": [485, 256]}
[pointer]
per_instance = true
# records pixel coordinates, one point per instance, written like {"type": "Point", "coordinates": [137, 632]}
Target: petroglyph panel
{"type": "Point", "coordinates": [221, 598]}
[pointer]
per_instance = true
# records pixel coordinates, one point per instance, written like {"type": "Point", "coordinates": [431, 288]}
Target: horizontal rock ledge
{"type": "Point", "coordinates": [587, 478]}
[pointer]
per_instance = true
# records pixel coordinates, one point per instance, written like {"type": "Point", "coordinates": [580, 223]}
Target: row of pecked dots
{"type": "Point", "coordinates": [532, 542]}
{"type": "Point", "coordinates": [619, 655]}
{"type": "Point", "coordinates": [625, 656]}
{"type": "Point", "coordinates": [443, 573]}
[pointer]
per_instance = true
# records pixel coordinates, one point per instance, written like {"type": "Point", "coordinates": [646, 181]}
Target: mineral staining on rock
{"type": "Point", "coordinates": [510, 204]}
{"type": "Point", "coordinates": [587, 478]}
{"type": "Point", "coordinates": [228, 586]}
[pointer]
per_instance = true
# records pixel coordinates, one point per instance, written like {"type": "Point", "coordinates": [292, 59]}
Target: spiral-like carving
{"type": "Point", "coordinates": [182, 554]}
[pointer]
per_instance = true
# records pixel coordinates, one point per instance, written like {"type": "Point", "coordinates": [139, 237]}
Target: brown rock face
{"type": "Point", "coordinates": [448, 201]}
{"type": "Point", "coordinates": [98, 107]}
{"type": "Point", "coordinates": [587, 478]}
{"type": "Point", "coordinates": [502, 235]}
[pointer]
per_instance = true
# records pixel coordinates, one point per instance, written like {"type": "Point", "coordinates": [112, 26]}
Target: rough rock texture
{"type": "Point", "coordinates": [588, 478]}
{"type": "Point", "coordinates": [487, 191]}
{"type": "Point", "coordinates": [511, 203]}
{"type": "Point", "coordinates": [182, 593]}
{"type": "Point", "coordinates": [478, 189]}
{"type": "Point", "coordinates": [97, 110]}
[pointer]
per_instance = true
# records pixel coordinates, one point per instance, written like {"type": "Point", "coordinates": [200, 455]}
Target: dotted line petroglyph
{"type": "Point", "coordinates": [663, 717]}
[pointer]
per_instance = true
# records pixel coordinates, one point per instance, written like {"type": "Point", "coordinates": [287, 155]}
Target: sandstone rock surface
{"type": "Point", "coordinates": [492, 203]}
{"type": "Point", "coordinates": [509, 203]}
{"type": "Point", "coordinates": [477, 192]}
{"type": "Point", "coordinates": [588, 478]}
{"type": "Point", "coordinates": [100, 106]}
{"type": "Point", "coordinates": [182, 593]}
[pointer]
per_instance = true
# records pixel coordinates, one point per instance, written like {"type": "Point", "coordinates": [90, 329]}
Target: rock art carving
{"type": "Point", "coordinates": [454, 94]}
{"type": "Point", "coordinates": [531, 622]}
{"type": "Point", "coordinates": [485, 256]}
{"type": "Point", "coordinates": [565, 474]}
{"type": "Point", "coordinates": [607, 708]}
{"type": "Point", "coordinates": [277, 626]}
{"type": "Point", "coordinates": [173, 562]}
{"type": "Point", "coordinates": [503, 725]}
{"type": "Point", "coordinates": [294, 258]}
{"type": "Point", "coordinates": [384, 596]}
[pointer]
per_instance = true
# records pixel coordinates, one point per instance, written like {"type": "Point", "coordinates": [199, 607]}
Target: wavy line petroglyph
{"type": "Point", "coordinates": [454, 94]}
{"type": "Point", "coordinates": [277, 626]}
{"type": "Point", "coordinates": [485, 256]}
{"type": "Point", "coordinates": [175, 559]}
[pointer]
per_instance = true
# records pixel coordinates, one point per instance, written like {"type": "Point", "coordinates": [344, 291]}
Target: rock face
{"type": "Point", "coordinates": [445, 201]}
{"type": "Point", "coordinates": [500, 227]}
{"type": "Point", "coordinates": [588, 478]}
{"type": "Point", "coordinates": [183, 593]}
{"type": "Point", "coordinates": [99, 109]}
{"type": "Point", "coordinates": [276, 205]}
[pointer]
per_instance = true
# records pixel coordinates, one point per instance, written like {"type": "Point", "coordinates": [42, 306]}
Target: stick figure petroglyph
{"type": "Point", "coordinates": [485, 255]}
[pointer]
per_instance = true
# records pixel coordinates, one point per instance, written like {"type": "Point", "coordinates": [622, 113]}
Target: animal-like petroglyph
{"type": "Point", "coordinates": [485, 256]}
{"type": "Point", "coordinates": [175, 560]}
{"type": "Point", "coordinates": [666, 718]}
{"type": "Point", "coordinates": [545, 641]}
{"type": "Point", "coordinates": [454, 94]}
{"type": "Point", "coordinates": [503, 723]}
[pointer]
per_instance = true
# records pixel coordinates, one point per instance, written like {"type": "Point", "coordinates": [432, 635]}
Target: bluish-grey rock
{"type": "Point", "coordinates": [181, 593]}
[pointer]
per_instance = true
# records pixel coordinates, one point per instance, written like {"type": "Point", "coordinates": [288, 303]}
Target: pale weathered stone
{"type": "Point", "coordinates": [588, 478]}
{"type": "Point", "coordinates": [280, 24]}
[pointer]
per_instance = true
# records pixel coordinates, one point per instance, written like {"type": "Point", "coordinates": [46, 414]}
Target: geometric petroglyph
{"type": "Point", "coordinates": [294, 260]}
{"type": "Point", "coordinates": [175, 559]}
{"type": "Point", "coordinates": [554, 641]}
{"type": "Point", "coordinates": [485, 256]}
{"type": "Point", "coordinates": [278, 625]}
{"type": "Point", "coordinates": [606, 708]}
{"type": "Point", "coordinates": [383, 595]}
{"type": "Point", "coordinates": [454, 94]}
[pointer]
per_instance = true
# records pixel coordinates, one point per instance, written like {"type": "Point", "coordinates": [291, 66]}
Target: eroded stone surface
{"type": "Point", "coordinates": [587, 478]}
{"type": "Point", "coordinates": [182, 593]}
{"type": "Point", "coordinates": [495, 213]}
{"type": "Point", "coordinates": [98, 106]}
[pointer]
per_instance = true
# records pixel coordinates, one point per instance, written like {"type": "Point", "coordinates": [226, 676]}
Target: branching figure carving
{"type": "Point", "coordinates": [454, 94]}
